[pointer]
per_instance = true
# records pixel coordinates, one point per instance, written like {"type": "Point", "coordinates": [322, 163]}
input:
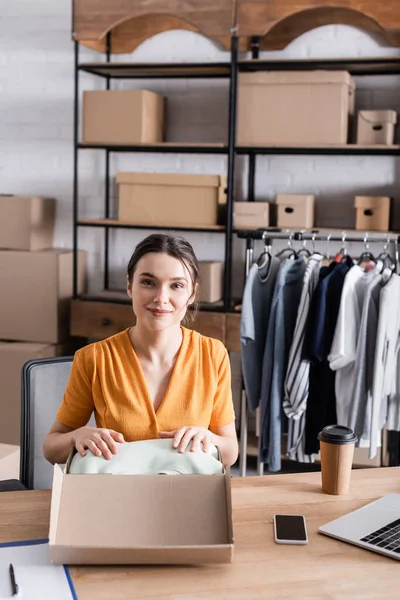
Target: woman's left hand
{"type": "Point", "coordinates": [183, 435]}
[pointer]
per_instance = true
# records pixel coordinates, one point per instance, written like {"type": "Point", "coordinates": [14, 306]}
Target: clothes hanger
{"type": "Point", "coordinates": [304, 250]}
{"type": "Point", "coordinates": [327, 256]}
{"type": "Point", "coordinates": [366, 255]}
{"type": "Point", "coordinates": [293, 253]}
{"type": "Point", "coordinates": [313, 238]}
{"type": "Point", "coordinates": [265, 257]}
{"type": "Point", "coordinates": [385, 257]}
{"type": "Point", "coordinates": [266, 253]}
{"type": "Point", "coordinates": [343, 252]}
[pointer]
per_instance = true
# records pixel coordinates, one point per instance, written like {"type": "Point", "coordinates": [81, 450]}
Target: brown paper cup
{"type": "Point", "coordinates": [337, 449]}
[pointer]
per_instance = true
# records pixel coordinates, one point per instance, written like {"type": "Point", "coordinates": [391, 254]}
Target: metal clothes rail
{"type": "Point", "coordinates": [270, 234]}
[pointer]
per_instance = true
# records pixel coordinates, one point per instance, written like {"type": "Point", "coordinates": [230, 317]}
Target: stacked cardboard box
{"type": "Point", "coordinates": [36, 289]}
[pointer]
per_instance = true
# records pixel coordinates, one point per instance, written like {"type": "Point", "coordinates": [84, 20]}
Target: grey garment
{"type": "Point", "coordinates": [384, 384]}
{"type": "Point", "coordinates": [297, 375]}
{"type": "Point", "coordinates": [359, 415]}
{"type": "Point", "coordinates": [281, 326]}
{"type": "Point", "coordinates": [256, 305]}
{"type": "Point", "coordinates": [348, 324]}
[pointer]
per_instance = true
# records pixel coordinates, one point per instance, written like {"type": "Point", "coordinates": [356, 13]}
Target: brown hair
{"type": "Point", "coordinates": [174, 246]}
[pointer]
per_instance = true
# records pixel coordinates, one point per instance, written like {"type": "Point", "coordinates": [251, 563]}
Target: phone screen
{"type": "Point", "coordinates": [290, 527]}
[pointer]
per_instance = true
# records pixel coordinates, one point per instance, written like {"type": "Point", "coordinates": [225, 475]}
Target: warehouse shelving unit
{"type": "Point", "coordinates": [108, 70]}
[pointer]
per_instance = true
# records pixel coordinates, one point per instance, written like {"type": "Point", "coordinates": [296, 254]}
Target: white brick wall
{"type": "Point", "coordinates": [36, 128]}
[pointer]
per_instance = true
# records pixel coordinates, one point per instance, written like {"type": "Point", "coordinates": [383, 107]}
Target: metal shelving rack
{"type": "Point", "coordinates": [109, 71]}
{"type": "Point", "coordinates": [230, 70]}
{"type": "Point", "coordinates": [268, 236]}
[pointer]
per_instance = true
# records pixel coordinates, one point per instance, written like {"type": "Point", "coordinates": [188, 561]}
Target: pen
{"type": "Point", "coordinates": [14, 586]}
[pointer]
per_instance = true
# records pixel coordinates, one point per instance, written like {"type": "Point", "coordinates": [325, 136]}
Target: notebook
{"type": "Point", "coordinates": [37, 578]}
{"type": "Point", "coordinates": [375, 527]}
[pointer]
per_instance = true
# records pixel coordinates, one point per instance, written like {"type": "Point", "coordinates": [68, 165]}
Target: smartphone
{"type": "Point", "coordinates": [290, 529]}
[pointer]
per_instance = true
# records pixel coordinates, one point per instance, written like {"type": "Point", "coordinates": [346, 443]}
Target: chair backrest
{"type": "Point", "coordinates": [43, 383]}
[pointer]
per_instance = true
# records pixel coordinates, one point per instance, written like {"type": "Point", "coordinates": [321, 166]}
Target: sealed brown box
{"type": "Point", "coordinates": [26, 222]}
{"type": "Point", "coordinates": [211, 281]}
{"type": "Point", "coordinates": [295, 210]}
{"type": "Point", "coordinates": [161, 519]}
{"type": "Point", "coordinates": [376, 127]}
{"type": "Point", "coordinates": [372, 213]}
{"type": "Point", "coordinates": [13, 355]}
{"type": "Point", "coordinates": [250, 215]}
{"type": "Point", "coordinates": [294, 107]}
{"type": "Point", "coordinates": [36, 291]}
{"type": "Point", "coordinates": [9, 461]}
{"type": "Point", "coordinates": [122, 117]}
{"type": "Point", "coordinates": [171, 200]}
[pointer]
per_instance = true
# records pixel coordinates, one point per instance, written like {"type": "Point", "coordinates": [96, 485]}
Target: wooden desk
{"type": "Point", "coordinates": [324, 569]}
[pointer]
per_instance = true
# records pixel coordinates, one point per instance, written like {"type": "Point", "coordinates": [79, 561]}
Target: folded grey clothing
{"type": "Point", "coordinates": [150, 457]}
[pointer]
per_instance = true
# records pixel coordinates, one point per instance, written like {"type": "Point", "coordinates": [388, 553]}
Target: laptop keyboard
{"type": "Point", "coordinates": [387, 537]}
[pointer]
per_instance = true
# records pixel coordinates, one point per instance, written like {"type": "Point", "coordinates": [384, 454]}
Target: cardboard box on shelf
{"type": "Point", "coordinates": [376, 127]}
{"type": "Point", "coordinates": [294, 107]}
{"type": "Point", "coordinates": [9, 461]}
{"type": "Point", "coordinates": [26, 222]}
{"type": "Point", "coordinates": [295, 210]}
{"type": "Point", "coordinates": [250, 215]}
{"type": "Point", "coordinates": [122, 117]}
{"type": "Point", "coordinates": [36, 291]}
{"type": "Point", "coordinates": [171, 200]}
{"type": "Point", "coordinates": [372, 213]}
{"type": "Point", "coordinates": [211, 281]}
{"type": "Point", "coordinates": [13, 356]}
{"type": "Point", "coordinates": [161, 519]}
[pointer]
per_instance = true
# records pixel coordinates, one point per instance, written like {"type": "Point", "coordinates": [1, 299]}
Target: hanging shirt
{"type": "Point", "coordinates": [359, 415]}
{"type": "Point", "coordinates": [256, 305]}
{"type": "Point", "coordinates": [320, 329]}
{"type": "Point", "coordinates": [385, 377]}
{"type": "Point", "coordinates": [344, 346]}
{"type": "Point", "coordinates": [297, 376]}
{"type": "Point", "coordinates": [281, 326]}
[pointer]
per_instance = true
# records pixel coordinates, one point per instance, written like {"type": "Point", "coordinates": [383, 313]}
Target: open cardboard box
{"type": "Point", "coordinates": [140, 519]}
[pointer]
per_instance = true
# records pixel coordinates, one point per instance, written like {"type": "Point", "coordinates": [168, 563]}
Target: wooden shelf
{"type": "Point", "coordinates": [384, 65]}
{"type": "Point", "coordinates": [132, 70]}
{"type": "Point", "coordinates": [114, 223]}
{"type": "Point", "coordinates": [162, 147]}
{"type": "Point", "coordinates": [328, 149]}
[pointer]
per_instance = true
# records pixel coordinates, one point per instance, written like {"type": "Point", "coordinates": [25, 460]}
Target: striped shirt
{"type": "Point", "coordinates": [297, 375]}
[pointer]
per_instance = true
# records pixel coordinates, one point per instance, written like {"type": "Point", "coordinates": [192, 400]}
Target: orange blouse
{"type": "Point", "coordinates": [106, 377]}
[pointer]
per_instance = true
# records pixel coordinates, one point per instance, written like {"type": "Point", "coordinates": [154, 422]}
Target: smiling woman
{"type": "Point", "coordinates": [155, 380]}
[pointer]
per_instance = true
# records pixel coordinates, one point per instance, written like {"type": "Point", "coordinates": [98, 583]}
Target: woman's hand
{"type": "Point", "coordinates": [99, 441]}
{"type": "Point", "coordinates": [182, 437]}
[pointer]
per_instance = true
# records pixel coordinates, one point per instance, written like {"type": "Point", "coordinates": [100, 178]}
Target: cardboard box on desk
{"type": "Point", "coordinates": [36, 291]}
{"type": "Point", "coordinates": [13, 355]}
{"type": "Point", "coordinates": [26, 222]}
{"type": "Point", "coordinates": [140, 519]}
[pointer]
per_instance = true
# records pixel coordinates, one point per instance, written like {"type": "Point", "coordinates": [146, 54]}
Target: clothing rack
{"type": "Point", "coordinates": [268, 235]}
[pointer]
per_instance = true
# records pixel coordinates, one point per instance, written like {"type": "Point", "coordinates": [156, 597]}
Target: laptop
{"type": "Point", "coordinates": [375, 526]}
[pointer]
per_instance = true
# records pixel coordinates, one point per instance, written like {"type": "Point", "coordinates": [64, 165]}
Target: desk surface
{"type": "Point", "coordinates": [325, 568]}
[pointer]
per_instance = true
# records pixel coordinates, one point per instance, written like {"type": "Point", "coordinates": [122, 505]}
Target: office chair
{"type": "Point", "coordinates": [43, 383]}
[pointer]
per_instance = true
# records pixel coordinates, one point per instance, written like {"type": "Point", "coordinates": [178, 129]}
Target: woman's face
{"type": "Point", "coordinates": [161, 291]}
